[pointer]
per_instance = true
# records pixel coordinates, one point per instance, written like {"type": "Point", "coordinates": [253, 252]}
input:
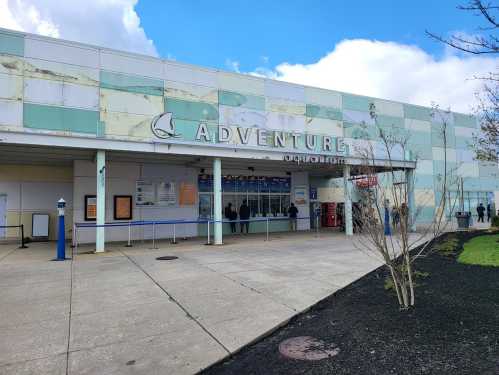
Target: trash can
{"type": "Point", "coordinates": [463, 220]}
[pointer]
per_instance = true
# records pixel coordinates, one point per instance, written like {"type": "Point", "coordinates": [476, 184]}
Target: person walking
{"type": "Point", "coordinates": [244, 215]}
{"type": "Point", "coordinates": [488, 212]}
{"type": "Point", "coordinates": [293, 213]}
{"type": "Point", "coordinates": [481, 211]}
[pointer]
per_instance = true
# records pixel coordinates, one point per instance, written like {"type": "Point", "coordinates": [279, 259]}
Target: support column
{"type": "Point", "coordinates": [411, 202]}
{"type": "Point", "coordinates": [101, 201]}
{"type": "Point", "coordinates": [347, 191]}
{"type": "Point", "coordinates": [217, 201]}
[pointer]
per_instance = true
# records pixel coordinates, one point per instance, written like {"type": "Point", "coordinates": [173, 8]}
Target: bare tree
{"type": "Point", "coordinates": [484, 42]}
{"type": "Point", "coordinates": [390, 190]}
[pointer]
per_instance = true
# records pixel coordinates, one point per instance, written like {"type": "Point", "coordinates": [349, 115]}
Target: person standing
{"type": "Point", "coordinates": [293, 213]}
{"type": "Point", "coordinates": [244, 215]}
{"type": "Point", "coordinates": [488, 212]}
{"type": "Point", "coordinates": [228, 214]}
{"type": "Point", "coordinates": [481, 211]}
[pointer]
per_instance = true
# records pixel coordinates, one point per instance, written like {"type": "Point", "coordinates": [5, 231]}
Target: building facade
{"type": "Point", "coordinates": [113, 132]}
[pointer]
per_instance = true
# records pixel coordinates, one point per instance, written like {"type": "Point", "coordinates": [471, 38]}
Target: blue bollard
{"type": "Point", "coordinates": [387, 222]}
{"type": "Point", "coordinates": [61, 235]}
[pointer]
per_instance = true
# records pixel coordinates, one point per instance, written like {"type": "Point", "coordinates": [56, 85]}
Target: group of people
{"type": "Point", "coordinates": [244, 214]}
{"type": "Point", "coordinates": [397, 213]}
{"type": "Point", "coordinates": [480, 210]}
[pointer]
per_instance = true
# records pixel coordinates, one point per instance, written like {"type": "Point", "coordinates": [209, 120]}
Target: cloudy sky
{"type": "Point", "coordinates": [371, 48]}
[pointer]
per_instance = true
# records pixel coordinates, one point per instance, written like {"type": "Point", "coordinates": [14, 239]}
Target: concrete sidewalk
{"type": "Point", "coordinates": [124, 312]}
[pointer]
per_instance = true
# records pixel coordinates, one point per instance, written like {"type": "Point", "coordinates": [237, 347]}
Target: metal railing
{"type": "Point", "coordinates": [174, 224]}
{"type": "Point", "coordinates": [21, 227]}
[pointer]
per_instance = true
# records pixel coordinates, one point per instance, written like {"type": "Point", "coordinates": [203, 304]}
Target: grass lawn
{"type": "Point", "coordinates": [482, 251]}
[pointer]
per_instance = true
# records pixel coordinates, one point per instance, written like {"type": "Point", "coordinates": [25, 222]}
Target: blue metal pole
{"type": "Point", "coordinates": [387, 222]}
{"type": "Point", "coordinates": [61, 240]}
{"type": "Point", "coordinates": [61, 231]}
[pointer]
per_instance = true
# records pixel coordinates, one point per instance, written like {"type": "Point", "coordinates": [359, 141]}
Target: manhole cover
{"type": "Point", "coordinates": [307, 348]}
{"type": "Point", "coordinates": [167, 257]}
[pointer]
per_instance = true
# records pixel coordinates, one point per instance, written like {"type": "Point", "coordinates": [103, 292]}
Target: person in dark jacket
{"type": "Point", "coordinates": [481, 212]}
{"type": "Point", "coordinates": [231, 214]}
{"type": "Point", "coordinates": [244, 215]}
{"type": "Point", "coordinates": [488, 212]}
{"type": "Point", "coordinates": [293, 213]}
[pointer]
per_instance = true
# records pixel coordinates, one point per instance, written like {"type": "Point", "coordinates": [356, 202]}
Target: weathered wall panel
{"type": "Point", "coordinates": [59, 51]}
{"type": "Point", "coordinates": [79, 96]}
{"type": "Point", "coordinates": [11, 113]}
{"type": "Point", "coordinates": [323, 97]}
{"type": "Point", "coordinates": [126, 125]}
{"type": "Point", "coordinates": [127, 102]}
{"type": "Point", "coordinates": [236, 99]}
{"type": "Point", "coordinates": [131, 83]}
{"type": "Point", "coordinates": [11, 87]}
{"type": "Point", "coordinates": [11, 65]}
{"type": "Point", "coordinates": [43, 91]}
{"type": "Point", "coordinates": [190, 74]}
{"type": "Point", "coordinates": [186, 110]}
{"type": "Point", "coordinates": [12, 44]}
{"type": "Point", "coordinates": [332, 128]}
{"type": "Point", "coordinates": [241, 84]}
{"type": "Point", "coordinates": [234, 116]}
{"type": "Point", "coordinates": [71, 120]}
{"type": "Point", "coordinates": [389, 108]}
{"type": "Point", "coordinates": [131, 64]}
{"type": "Point", "coordinates": [284, 90]}
{"type": "Point", "coordinates": [191, 92]}
{"type": "Point", "coordinates": [287, 122]}
{"type": "Point", "coordinates": [55, 71]}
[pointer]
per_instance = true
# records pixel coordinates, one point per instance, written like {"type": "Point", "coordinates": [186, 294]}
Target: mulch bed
{"type": "Point", "coordinates": [453, 329]}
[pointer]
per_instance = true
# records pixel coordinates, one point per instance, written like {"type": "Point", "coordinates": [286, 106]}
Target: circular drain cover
{"type": "Point", "coordinates": [307, 348]}
{"type": "Point", "coordinates": [167, 257]}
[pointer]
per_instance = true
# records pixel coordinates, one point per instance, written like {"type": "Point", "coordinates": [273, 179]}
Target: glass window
{"type": "Point", "coordinates": [275, 205]}
{"type": "Point", "coordinates": [253, 205]}
{"type": "Point", "coordinates": [284, 204]}
{"type": "Point", "coordinates": [205, 204]}
{"type": "Point", "coordinates": [265, 204]}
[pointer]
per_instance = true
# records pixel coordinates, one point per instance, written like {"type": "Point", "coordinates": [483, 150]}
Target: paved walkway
{"type": "Point", "coordinates": [124, 312]}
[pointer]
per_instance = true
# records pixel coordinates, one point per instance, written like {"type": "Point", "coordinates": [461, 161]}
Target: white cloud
{"type": "Point", "coordinates": [233, 65]}
{"type": "Point", "coordinates": [392, 71]}
{"type": "Point", "coordinates": [110, 23]}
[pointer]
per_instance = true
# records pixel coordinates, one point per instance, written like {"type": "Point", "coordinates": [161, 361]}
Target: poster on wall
{"type": "Point", "coordinates": [166, 195]}
{"type": "Point", "coordinates": [90, 207]}
{"type": "Point", "coordinates": [145, 194]}
{"type": "Point", "coordinates": [188, 194]}
{"type": "Point", "coordinates": [300, 195]}
{"type": "Point", "coordinates": [122, 207]}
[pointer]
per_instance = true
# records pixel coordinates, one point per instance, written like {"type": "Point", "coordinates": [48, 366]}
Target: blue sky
{"type": "Point", "coordinates": [210, 32]}
{"type": "Point", "coordinates": [374, 48]}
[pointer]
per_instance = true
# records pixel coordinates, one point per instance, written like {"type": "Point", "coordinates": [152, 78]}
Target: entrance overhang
{"type": "Point", "coordinates": [23, 147]}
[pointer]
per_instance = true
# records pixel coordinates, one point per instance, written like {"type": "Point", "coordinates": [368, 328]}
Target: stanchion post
{"type": "Point", "coordinates": [129, 243]}
{"type": "Point", "coordinates": [23, 246]}
{"type": "Point", "coordinates": [267, 229]}
{"type": "Point", "coordinates": [208, 222]}
{"type": "Point", "coordinates": [154, 235]}
{"type": "Point", "coordinates": [75, 234]}
{"type": "Point", "coordinates": [174, 237]}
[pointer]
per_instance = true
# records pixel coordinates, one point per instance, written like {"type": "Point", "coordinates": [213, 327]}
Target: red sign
{"type": "Point", "coordinates": [367, 182]}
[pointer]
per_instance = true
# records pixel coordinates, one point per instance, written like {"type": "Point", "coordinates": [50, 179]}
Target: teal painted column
{"type": "Point", "coordinates": [217, 200]}
{"type": "Point", "coordinates": [101, 201]}
{"type": "Point", "coordinates": [347, 190]}
{"type": "Point", "coordinates": [411, 201]}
